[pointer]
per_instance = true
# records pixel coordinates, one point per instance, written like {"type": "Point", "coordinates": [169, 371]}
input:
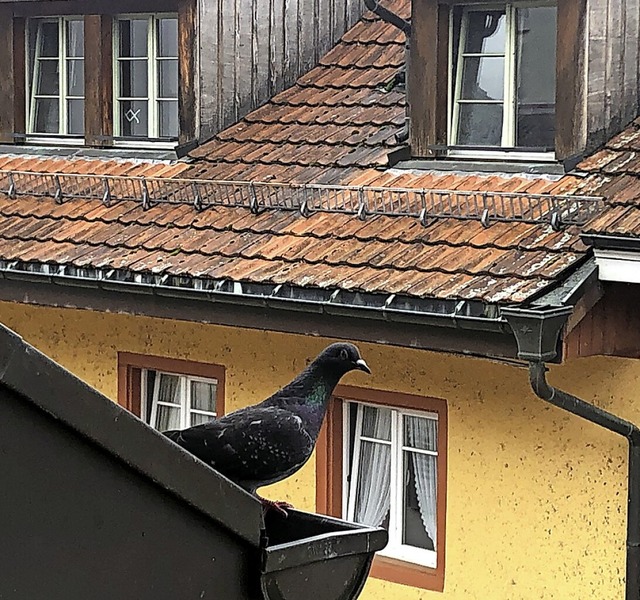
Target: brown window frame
{"type": "Point", "coordinates": [329, 458]}
{"type": "Point", "coordinates": [428, 76]}
{"type": "Point", "coordinates": [130, 366]}
{"type": "Point", "coordinates": [98, 62]}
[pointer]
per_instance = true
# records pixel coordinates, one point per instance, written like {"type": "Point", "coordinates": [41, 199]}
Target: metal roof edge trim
{"type": "Point", "coordinates": [65, 397]}
{"type": "Point", "coordinates": [611, 242]}
{"type": "Point", "coordinates": [384, 311]}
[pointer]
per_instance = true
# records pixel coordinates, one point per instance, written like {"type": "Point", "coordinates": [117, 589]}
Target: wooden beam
{"type": "Point", "coordinates": [98, 80]}
{"type": "Point", "coordinates": [570, 78]}
{"type": "Point", "coordinates": [187, 76]}
{"type": "Point", "coordinates": [428, 76]}
{"type": "Point", "coordinates": [19, 76]}
{"type": "Point", "coordinates": [6, 74]}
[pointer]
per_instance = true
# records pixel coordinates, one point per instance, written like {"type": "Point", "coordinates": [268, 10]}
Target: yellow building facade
{"type": "Point", "coordinates": [536, 498]}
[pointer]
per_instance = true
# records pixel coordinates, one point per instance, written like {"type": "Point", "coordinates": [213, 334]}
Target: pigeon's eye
{"type": "Point", "coordinates": [344, 355]}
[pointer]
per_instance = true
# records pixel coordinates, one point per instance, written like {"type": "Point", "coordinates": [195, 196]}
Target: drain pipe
{"type": "Point", "coordinates": [537, 332]}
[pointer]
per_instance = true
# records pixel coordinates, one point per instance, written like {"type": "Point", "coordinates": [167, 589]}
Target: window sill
{"type": "Point", "coordinates": [411, 574]}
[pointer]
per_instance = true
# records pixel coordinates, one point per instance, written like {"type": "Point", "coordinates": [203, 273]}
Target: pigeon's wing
{"type": "Point", "coordinates": [253, 447]}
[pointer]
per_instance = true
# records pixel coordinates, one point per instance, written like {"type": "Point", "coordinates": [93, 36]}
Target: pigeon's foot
{"type": "Point", "coordinates": [276, 505]}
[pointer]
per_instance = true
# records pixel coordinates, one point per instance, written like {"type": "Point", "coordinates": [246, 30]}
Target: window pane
{"type": "Point", "coordinates": [168, 115]}
{"type": "Point", "coordinates": [168, 388]}
{"type": "Point", "coordinates": [48, 83]}
{"type": "Point", "coordinates": [133, 79]}
{"type": "Point", "coordinates": [168, 79]}
{"type": "Point", "coordinates": [75, 38]}
{"type": "Point", "coordinates": [75, 77]}
{"type": "Point", "coordinates": [480, 125]}
{"type": "Point", "coordinates": [48, 39]}
{"type": "Point", "coordinates": [421, 433]}
{"type": "Point", "coordinates": [486, 32]}
{"type": "Point", "coordinates": [75, 116]}
{"type": "Point", "coordinates": [419, 521]}
{"type": "Point", "coordinates": [373, 485]}
{"type": "Point", "coordinates": [133, 37]}
{"type": "Point", "coordinates": [167, 418]}
{"type": "Point", "coordinates": [198, 419]}
{"type": "Point", "coordinates": [483, 78]}
{"type": "Point", "coordinates": [47, 117]}
{"type": "Point", "coordinates": [133, 118]}
{"type": "Point", "coordinates": [203, 396]}
{"type": "Point", "coordinates": [168, 37]}
{"type": "Point", "coordinates": [376, 422]}
{"type": "Point", "coordinates": [535, 83]}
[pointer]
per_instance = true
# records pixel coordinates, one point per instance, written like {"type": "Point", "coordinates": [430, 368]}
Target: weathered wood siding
{"type": "Point", "coordinates": [613, 70]}
{"type": "Point", "coordinates": [252, 49]}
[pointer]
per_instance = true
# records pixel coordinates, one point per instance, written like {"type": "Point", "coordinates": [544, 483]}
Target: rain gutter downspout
{"type": "Point", "coordinates": [537, 332]}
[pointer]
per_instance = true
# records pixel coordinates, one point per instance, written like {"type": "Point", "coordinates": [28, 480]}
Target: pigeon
{"type": "Point", "coordinates": [265, 443]}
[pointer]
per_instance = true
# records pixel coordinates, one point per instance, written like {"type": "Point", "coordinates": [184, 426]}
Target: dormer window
{"type": "Point", "coordinates": [482, 80]}
{"type": "Point", "coordinates": [503, 89]}
{"type": "Point", "coordinates": [55, 77]}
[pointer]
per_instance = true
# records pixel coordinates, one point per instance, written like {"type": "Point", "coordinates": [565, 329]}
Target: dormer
{"type": "Point", "coordinates": [151, 74]}
{"type": "Point", "coordinates": [522, 80]}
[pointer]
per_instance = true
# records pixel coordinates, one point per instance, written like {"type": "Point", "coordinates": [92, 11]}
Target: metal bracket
{"type": "Point", "coordinates": [145, 195]}
{"type": "Point", "coordinates": [58, 194]}
{"type": "Point", "coordinates": [106, 196]}
{"type": "Point", "coordinates": [197, 198]}
{"type": "Point", "coordinates": [12, 187]}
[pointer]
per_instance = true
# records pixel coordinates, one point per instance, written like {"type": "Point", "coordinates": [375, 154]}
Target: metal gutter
{"type": "Point", "coordinates": [385, 307]}
{"type": "Point", "coordinates": [537, 332]}
{"type": "Point", "coordinates": [611, 242]}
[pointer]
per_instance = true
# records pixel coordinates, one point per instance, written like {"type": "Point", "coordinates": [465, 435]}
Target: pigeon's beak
{"type": "Point", "coordinates": [363, 366]}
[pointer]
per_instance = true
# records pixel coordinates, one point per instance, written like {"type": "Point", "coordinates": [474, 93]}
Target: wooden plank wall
{"type": "Point", "coordinates": [252, 49]}
{"type": "Point", "coordinates": [613, 67]}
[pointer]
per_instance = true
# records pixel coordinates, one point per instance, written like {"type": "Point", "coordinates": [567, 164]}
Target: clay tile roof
{"type": "Point", "coordinates": [336, 126]}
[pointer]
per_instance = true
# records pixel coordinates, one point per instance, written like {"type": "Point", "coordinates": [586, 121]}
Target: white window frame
{"type": "Point", "coordinates": [395, 548]}
{"type": "Point", "coordinates": [185, 397]}
{"type": "Point", "coordinates": [509, 92]}
{"type": "Point", "coordinates": [152, 98]}
{"type": "Point", "coordinates": [63, 96]}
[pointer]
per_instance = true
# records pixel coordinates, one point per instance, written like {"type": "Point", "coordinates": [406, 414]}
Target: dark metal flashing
{"type": "Point", "coordinates": [48, 386]}
{"type": "Point", "coordinates": [483, 166]}
{"type": "Point", "coordinates": [58, 151]}
{"type": "Point", "coordinates": [574, 287]}
{"type": "Point", "coordinates": [611, 242]}
{"type": "Point", "coordinates": [460, 334]}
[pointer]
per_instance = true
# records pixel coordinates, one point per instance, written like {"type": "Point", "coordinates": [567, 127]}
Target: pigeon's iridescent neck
{"type": "Point", "coordinates": [320, 392]}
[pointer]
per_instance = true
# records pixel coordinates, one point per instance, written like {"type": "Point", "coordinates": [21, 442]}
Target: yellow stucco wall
{"type": "Point", "coordinates": [536, 498]}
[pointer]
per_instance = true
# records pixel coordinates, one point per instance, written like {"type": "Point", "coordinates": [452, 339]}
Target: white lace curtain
{"type": "Point", "coordinates": [374, 473]}
{"type": "Point", "coordinates": [166, 390]}
{"type": "Point", "coordinates": [423, 433]}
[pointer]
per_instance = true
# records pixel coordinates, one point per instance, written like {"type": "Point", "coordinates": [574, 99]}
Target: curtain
{"type": "Point", "coordinates": [166, 389]}
{"type": "Point", "coordinates": [423, 433]}
{"type": "Point", "coordinates": [374, 477]}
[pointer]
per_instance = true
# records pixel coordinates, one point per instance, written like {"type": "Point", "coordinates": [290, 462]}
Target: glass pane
{"type": "Point", "coordinates": [198, 419]}
{"type": "Point", "coordinates": [376, 422]}
{"type": "Point", "coordinates": [133, 79]}
{"type": "Point", "coordinates": [48, 39]}
{"type": "Point", "coordinates": [373, 484]}
{"type": "Point", "coordinates": [133, 37]}
{"type": "Point", "coordinates": [168, 118]}
{"type": "Point", "coordinates": [483, 78]}
{"type": "Point", "coordinates": [486, 32]}
{"type": "Point", "coordinates": [168, 37]}
{"type": "Point", "coordinates": [169, 389]}
{"type": "Point", "coordinates": [167, 418]}
{"type": "Point", "coordinates": [535, 78]}
{"type": "Point", "coordinates": [75, 116]}
{"type": "Point", "coordinates": [168, 79]}
{"type": "Point", "coordinates": [419, 522]}
{"type": "Point", "coordinates": [203, 396]}
{"type": "Point", "coordinates": [480, 125]}
{"type": "Point", "coordinates": [47, 117]}
{"type": "Point", "coordinates": [75, 38]}
{"type": "Point", "coordinates": [48, 83]}
{"type": "Point", "coordinates": [421, 433]}
{"type": "Point", "coordinates": [75, 77]}
{"type": "Point", "coordinates": [133, 118]}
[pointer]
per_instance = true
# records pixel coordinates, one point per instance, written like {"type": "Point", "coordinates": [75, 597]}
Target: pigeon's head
{"type": "Point", "coordinates": [342, 357]}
